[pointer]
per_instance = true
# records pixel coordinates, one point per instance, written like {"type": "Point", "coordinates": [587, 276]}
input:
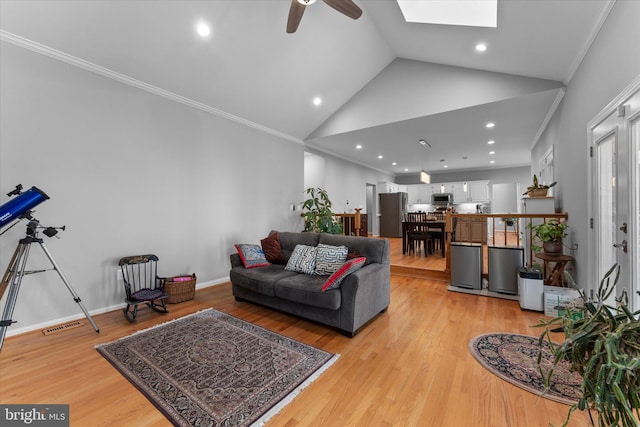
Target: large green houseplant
{"type": "Point", "coordinates": [602, 344]}
{"type": "Point", "coordinates": [550, 234]}
{"type": "Point", "coordinates": [317, 213]}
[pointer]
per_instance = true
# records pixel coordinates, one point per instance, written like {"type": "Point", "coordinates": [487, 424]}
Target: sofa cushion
{"type": "Point", "coordinates": [251, 255]}
{"type": "Point", "coordinates": [260, 279]}
{"type": "Point", "coordinates": [349, 267]}
{"type": "Point", "coordinates": [272, 249]}
{"type": "Point", "coordinates": [289, 240]}
{"type": "Point", "coordinates": [303, 260]}
{"type": "Point", "coordinates": [329, 258]}
{"type": "Point", "coordinates": [306, 289]}
{"type": "Point", "coordinates": [370, 247]}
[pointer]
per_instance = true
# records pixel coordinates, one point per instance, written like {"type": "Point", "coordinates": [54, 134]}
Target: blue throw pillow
{"type": "Point", "coordinates": [251, 255]}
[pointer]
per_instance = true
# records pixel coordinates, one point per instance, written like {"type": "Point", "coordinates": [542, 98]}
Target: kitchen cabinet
{"type": "Point", "coordinates": [391, 187]}
{"type": "Point", "coordinates": [419, 193]}
{"type": "Point", "coordinates": [477, 192]}
{"type": "Point", "coordinates": [470, 229]}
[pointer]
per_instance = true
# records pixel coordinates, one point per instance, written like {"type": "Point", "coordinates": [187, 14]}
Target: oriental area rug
{"type": "Point", "coordinates": [514, 358]}
{"type": "Point", "coordinates": [213, 369]}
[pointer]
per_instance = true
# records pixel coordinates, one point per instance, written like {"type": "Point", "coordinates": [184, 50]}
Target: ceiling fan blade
{"type": "Point", "coordinates": [295, 16]}
{"type": "Point", "coordinates": [347, 7]}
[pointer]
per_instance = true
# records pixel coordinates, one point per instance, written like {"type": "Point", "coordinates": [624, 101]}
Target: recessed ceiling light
{"type": "Point", "coordinates": [491, 142]}
{"type": "Point", "coordinates": [317, 101]}
{"type": "Point", "coordinates": [380, 156]}
{"type": "Point", "coordinates": [203, 29]}
{"type": "Point", "coordinates": [490, 125]}
{"type": "Point", "coordinates": [393, 164]}
{"type": "Point", "coordinates": [492, 161]}
{"type": "Point", "coordinates": [481, 47]}
{"type": "Point", "coordinates": [406, 169]}
{"type": "Point", "coordinates": [358, 147]}
{"type": "Point", "coordinates": [492, 152]}
{"type": "Point", "coordinates": [445, 166]}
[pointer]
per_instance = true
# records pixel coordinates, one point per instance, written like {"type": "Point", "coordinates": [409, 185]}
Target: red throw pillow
{"type": "Point", "coordinates": [272, 249]}
{"type": "Point", "coordinates": [349, 267]}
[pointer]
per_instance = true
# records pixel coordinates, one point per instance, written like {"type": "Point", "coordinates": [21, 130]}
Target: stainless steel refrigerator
{"type": "Point", "coordinates": [393, 209]}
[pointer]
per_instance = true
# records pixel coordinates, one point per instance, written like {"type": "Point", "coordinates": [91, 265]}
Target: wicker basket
{"type": "Point", "coordinates": [180, 288]}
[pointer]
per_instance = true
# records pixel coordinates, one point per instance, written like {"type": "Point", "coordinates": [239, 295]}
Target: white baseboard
{"type": "Point", "coordinates": [39, 326]}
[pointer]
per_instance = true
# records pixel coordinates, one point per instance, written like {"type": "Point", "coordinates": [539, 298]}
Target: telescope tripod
{"type": "Point", "coordinates": [14, 274]}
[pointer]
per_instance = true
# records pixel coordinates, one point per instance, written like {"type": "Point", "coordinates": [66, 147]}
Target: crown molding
{"type": "Point", "coordinates": [589, 41]}
{"type": "Point", "coordinates": [50, 52]}
{"type": "Point", "coordinates": [552, 110]}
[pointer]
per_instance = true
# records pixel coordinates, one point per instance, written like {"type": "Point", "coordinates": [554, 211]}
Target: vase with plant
{"type": "Point", "coordinates": [602, 344]}
{"type": "Point", "coordinates": [549, 234]}
{"type": "Point", "coordinates": [317, 213]}
{"type": "Point", "coordinates": [538, 190]}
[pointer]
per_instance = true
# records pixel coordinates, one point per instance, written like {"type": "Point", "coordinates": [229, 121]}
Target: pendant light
{"type": "Point", "coordinates": [425, 177]}
{"type": "Point", "coordinates": [464, 186]}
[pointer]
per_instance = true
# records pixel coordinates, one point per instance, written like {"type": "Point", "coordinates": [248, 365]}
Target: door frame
{"type": "Point", "coordinates": [624, 134]}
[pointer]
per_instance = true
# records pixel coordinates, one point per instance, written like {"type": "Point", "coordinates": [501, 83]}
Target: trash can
{"type": "Point", "coordinates": [531, 289]}
{"type": "Point", "coordinates": [466, 265]}
{"type": "Point", "coordinates": [504, 263]}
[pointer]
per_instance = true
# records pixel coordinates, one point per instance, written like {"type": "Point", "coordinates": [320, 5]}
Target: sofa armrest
{"type": "Point", "coordinates": [365, 293]}
{"type": "Point", "coordinates": [235, 260]}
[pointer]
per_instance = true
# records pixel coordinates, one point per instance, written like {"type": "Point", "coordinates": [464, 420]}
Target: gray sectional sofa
{"type": "Point", "coordinates": [361, 296]}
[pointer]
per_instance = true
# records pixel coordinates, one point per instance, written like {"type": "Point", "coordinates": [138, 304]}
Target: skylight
{"type": "Point", "coordinates": [478, 13]}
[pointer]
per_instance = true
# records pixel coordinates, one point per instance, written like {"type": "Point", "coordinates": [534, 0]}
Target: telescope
{"type": "Point", "coordinates": [20, 206]}
{"type": "Point", "coordinates": [14, 210]}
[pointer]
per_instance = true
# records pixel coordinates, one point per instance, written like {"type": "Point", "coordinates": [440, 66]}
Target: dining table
{"type": "Point", "coordinates": [410, 225]}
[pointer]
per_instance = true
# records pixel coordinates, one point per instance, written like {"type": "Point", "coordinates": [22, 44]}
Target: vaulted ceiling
{"type": "Point", "coordinates": [384, 83]}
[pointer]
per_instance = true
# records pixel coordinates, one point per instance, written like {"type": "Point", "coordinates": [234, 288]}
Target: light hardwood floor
{"type": "Point", "coordinates": [409, 367]}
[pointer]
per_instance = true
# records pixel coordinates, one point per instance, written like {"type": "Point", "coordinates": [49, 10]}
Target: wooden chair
{"type": "Point", "coordinates": [142, 284]}
{"type": "Point", "coordinates": [419, 233]}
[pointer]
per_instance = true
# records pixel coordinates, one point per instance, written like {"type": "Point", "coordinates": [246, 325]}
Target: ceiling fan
{"type": "Point", "coordinates": [346, 7]}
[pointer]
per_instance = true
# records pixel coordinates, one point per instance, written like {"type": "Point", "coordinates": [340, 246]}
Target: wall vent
{"type": "Point", "coordinates": [63, 327]}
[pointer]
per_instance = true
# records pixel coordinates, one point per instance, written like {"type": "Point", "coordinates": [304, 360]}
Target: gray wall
{"type": "Point", "coordinates": [343, 181]}
{"type": "Point", "coordinates": [608, 68]}
{"type": "Point", "coordinates": [129, 172]}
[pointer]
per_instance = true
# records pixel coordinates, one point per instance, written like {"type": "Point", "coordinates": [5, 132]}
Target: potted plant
{"type": "Point", "coordinates": [318, 216]}
{"type": "Point", "coordinates": [538, 190]}
{"type": "Point", "coordinates": [509, 221]}
{"type": "Point", "coordinates": [602, 344]}
{"type": "Point", "coordinates": [550, 234]}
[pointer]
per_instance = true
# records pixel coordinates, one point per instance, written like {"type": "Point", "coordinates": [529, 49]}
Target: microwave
{"type": "Point", "coordinates": [441, 199]}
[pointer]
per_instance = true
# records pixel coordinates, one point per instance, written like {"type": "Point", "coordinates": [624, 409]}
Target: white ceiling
{"type": "Point", "coordinates": [250, 69]}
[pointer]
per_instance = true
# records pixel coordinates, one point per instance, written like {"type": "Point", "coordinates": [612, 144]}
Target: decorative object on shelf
{"type": "Point", "coordinates": [538, 190]}
{"type": "Point", "coordinates": [318, 216]}
{"type": "Point", "coordinates": [550, 234]}
{"type": "Point", "coordinates": [601, 343]}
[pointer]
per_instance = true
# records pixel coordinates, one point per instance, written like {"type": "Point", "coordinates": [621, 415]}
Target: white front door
{"type": "Point", "coordinates": [615, 181]}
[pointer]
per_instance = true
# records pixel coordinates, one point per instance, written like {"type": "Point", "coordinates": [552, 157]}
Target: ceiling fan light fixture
{"type": "Point", "coordinates": [306, 2]}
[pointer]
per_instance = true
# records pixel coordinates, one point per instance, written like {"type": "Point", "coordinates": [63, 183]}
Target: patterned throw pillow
{"type": "Point", "coordinates": [272, 249]}
{"type": "Point", "coordinates": [302, 260]}
{"type": "Point", "coordinates": [251, 255]}
{"type": "Point", "coordinates": [349, 267]}
{"type": "Point", "coordinates": [330, 258]}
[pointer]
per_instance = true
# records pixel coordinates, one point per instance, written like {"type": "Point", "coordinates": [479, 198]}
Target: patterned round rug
{"type": "Point", "coordinates": [514, 358]}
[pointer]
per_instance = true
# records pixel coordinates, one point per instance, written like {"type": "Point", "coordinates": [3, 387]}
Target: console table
{"type": "Point", "coordinates": [554, 266]}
